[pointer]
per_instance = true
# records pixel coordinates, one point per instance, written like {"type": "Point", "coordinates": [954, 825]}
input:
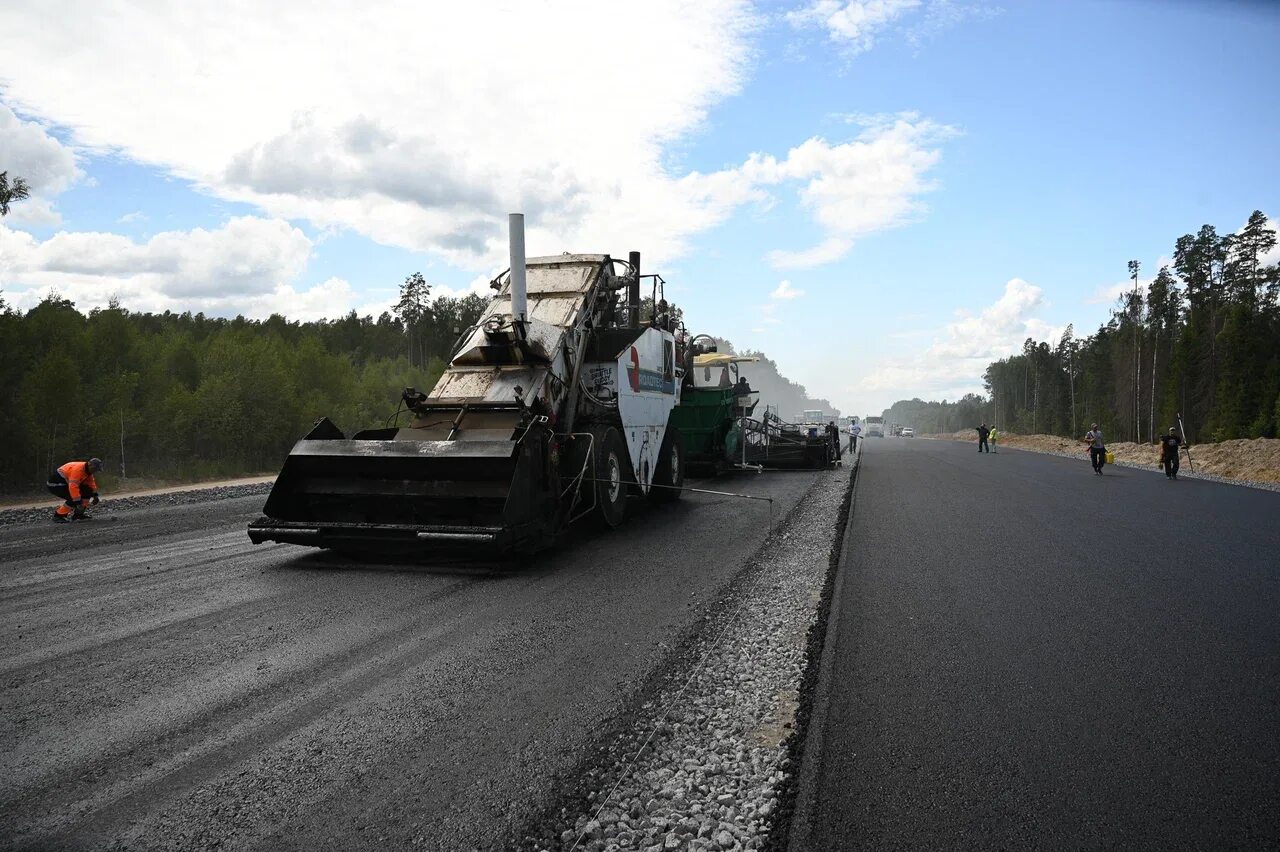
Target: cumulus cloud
{"type": "Point", "coordinates": [960, 351]}
{"type": "Point", "coordinates": [858, 187]}
{"type": "Point", "coordinates": [856, 25]}
{"type": "Point", "coordinates": [852, 23]}
{"type": "Point", "coordinates": [28, 151]}
{"type": "Point", "coordinates": [249, 264]}
{"type": "Point", "coordinates": [435, 123]}
{"type": "Point", "coordinates": [784, 290]}
{"type": "Point", "coordinates": [422, 133]}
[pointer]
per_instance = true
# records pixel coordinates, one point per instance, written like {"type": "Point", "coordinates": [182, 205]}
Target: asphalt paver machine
{"type": "Point", "coordinates": [555, 406]}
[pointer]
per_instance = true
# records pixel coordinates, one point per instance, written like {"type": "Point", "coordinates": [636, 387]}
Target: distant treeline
{"type": "Point", "coordinates": [788, 397]}
{"type": "Point", "coordinates": [1202, 338]}
{"type": "Point", "coordinates": [940, 417]}
{"type": "Point", "coordinates": [186, 396]}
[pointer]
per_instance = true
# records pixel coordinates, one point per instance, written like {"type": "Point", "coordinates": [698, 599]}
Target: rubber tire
{"type": "Point", "coordinates": [613, 478]}
{"type": "Point", "coordinates": [672, 450]}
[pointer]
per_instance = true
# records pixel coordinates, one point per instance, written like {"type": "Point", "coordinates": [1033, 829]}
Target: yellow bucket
{"type": "Point", "coordinates": [1111, 457]}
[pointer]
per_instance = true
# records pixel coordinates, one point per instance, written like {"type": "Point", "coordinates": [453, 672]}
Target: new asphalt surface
{"type": "Point", "coordinates": [1022, 654]}
{"type": "Point", "coordinates": [168, 685]}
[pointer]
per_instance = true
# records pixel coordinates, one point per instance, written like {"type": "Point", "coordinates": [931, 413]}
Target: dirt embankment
{"type": "Point", "coordinates": [1244, 459]}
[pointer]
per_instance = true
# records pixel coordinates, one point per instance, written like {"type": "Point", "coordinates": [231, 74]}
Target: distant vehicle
{"type": "Point", "coordinates": [908, 432]}
{"type": "Point", "coordinates": [875, 427]}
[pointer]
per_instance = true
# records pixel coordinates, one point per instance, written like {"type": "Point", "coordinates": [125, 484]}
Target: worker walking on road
{"type": "Point", "coordinates": [854, 431]}
{"type": "Point", "coordinates": [1170, 445]}
{"type": "Point", "coordinates": [983, 432]}
{"type": "Point", "coordinates": [994, 438]}
{"type": "Point", "coordinates": [74, 483]}
{"type": "Point", "coordinates": [1097, 448]}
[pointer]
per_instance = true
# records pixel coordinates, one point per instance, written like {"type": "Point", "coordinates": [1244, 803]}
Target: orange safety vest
{"type": "Point", "coordinates": [78, 478]}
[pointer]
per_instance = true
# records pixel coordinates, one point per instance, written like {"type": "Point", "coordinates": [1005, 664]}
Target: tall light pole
{"type": "Point", "coordinates": [1137, 354]}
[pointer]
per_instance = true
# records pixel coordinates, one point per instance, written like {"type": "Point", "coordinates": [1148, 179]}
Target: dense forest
{"type": "Point", "coordinates": [1201, 338]}
{"type": "Point", "coordinates": [182, 396]}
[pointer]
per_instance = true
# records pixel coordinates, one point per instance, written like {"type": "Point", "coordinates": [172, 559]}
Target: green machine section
{"type": "Point", "coordinates": [706, 420]}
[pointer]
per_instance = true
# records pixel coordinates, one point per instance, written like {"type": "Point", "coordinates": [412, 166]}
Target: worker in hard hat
{"type": "Point", "coordinates": [74, 483]}
{"type": "Point", "coordinates": [1170, 444]}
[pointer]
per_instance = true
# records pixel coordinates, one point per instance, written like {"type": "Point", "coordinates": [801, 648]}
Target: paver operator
{"type": "Point", "coordinates": [833, 435]}
{"type": "Point", "coordinates": [74, 483]}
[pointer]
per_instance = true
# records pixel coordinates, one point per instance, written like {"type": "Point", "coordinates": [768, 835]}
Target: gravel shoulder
{"type": "Point", "coordinates": [706, 757]}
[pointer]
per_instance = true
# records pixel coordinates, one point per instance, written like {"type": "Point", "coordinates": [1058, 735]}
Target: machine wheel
{"type": "Point", "coordinates": [613, 478]}
{"type": "Point", "coordinates": [670, 470]}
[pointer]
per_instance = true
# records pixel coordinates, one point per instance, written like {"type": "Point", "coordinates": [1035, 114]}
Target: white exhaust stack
{"type": "Point", "coordinates": [519, 295]}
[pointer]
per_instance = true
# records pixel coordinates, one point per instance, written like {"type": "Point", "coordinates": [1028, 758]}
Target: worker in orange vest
{"type": "Point", "coordinates": [74, 483]}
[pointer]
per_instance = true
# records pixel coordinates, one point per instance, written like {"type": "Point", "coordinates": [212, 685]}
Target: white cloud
{"type": "Point", "coordinates": [29, 152]}
{"type": "Point", "coordinates": [786, 291]}
{"type": "Point", "coordinates": [423, 131]}
{"type": "Point", "coordinates": [34, 212]}
{"type": "Point", "coordinates": [852, 23]}
{"type": "Point", "coordinates": [129, 218]}
{"type": "Point", "coordinates": [326, 300]}
{"type": "Point", "coordinates": [855, 188]}
{"type": "Point", "coordinates": [954, 362]}
{"type": "Point", "coordinates": [855, 25]}
{"type": "Point", "coordinates": [438, 120]}
{"type": "Point", "coordinates": [249, 264]}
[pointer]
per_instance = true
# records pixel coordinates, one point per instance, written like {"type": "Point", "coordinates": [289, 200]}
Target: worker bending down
{"type": "Point", "coordinates": [74, 483]}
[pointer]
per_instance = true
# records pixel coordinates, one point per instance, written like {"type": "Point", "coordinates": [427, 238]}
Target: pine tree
{"type": "Point", "coordinates": [412, 309]}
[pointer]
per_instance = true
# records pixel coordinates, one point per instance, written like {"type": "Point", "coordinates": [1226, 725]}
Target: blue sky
{"type": "Point", "coordinates": [934, 180]}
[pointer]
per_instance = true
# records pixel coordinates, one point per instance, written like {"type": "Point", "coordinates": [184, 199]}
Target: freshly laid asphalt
{"type": "Point", "coordinates": [1022, 654]}
{"type": "Point", "coordinates": [165, 684]}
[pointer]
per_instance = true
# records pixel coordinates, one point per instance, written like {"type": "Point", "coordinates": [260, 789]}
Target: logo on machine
{"type": "Point", "coordinates": [645, 380]}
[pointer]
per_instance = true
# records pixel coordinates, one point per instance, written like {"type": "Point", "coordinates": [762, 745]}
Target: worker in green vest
{"type": "Point", "coordinates": [994, 438]}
